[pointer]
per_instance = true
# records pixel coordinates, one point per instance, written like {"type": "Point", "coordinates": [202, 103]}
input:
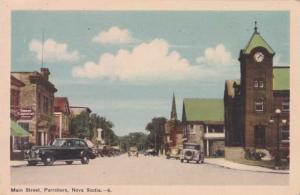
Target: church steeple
{"type": "Point", "coordinates": [173, 111]}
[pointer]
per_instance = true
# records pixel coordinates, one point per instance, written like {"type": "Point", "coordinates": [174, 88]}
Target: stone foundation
{"type": "Point", "coordinates": [234, 153]}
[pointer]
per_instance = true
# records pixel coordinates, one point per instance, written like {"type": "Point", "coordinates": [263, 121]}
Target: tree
{"type": "Point", "coordinates": [86, 125]}
{"type": "Point", "coordinates": [80, 125]}
{"type": "Point", "coordinates": [137, 139]}
{"type": "Point", "coordinates": [157, 130]}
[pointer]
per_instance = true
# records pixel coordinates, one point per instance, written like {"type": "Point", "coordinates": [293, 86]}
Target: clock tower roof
{"type": "Point", "coordinates": [257, 41]}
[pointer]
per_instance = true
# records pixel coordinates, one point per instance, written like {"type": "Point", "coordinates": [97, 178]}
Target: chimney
{"type": "Point", "coordinates": [45, 72]}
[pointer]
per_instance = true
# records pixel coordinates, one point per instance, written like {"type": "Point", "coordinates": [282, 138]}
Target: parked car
{"type": "Point", "coordinates": [62, 149]}
{"type": "Point", "coordinates": [150, 152]}
{"type": "Point", "coordinates": [133, 151]}
{"type": "Point", "coordinates": [192, 152]}
{"type": "Point", "coordinates": [173, 153]}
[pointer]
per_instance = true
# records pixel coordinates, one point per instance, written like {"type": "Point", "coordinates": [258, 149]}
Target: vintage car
{"type": "Point", "coordinates": [62, 149]}
{"type": "Point", "coordinates": [173, 153]}
{"type": "Point", "coordinates": [150, 152]}
{"type": "Point", "coordinates": [192, 152]}
{"type": "Point", "coordinates": [133, 151]}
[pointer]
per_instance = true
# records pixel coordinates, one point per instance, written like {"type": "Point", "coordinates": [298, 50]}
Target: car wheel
{"type": "Point", "coordinates": [85, 159]}
{"type": "Point", "coordinates": [187, 161]}
{"type": "Point", "coordinates": [202, 161]}
{"type": "Point", "coordinates": [48, 160]}
{"type": "Point", "coordinates": [181, 160]}
{"type": "Point", "coordinates": [197, 161]}
{"type": "Point", "coordinates": [69, 162]}
{"type": "Point", "coordinates": [32, 163]}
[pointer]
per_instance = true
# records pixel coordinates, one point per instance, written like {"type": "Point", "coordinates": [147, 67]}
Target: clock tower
{"type": "Point", "coordinates": [256, 66]}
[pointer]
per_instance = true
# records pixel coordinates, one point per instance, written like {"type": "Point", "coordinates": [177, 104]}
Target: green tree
{"type": "Point", "coordinates": [157, 130]}
{"type": "Point", "coordinates": [79, 125]}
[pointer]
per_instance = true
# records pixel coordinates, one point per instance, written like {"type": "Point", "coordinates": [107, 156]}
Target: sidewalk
{"type": "Point", "coordinates": [221, 162]}
{"type": "Point", "coordinates": [18, 163]}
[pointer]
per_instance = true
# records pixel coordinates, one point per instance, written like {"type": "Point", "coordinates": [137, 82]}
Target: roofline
{"type": "Point", "coordinates": [81, 107]}
{"type": "Point", "coordinates": [281, 67]}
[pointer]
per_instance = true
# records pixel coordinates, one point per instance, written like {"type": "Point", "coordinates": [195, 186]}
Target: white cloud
{"type": "Point", "coordinates": [53, 51]}
{"type": "Point", "coordinates": [152, 61]}
{"type": "Point", "coordinates": [216, 56]}
{"type": "Point", "coordinates": [114, 35]}
{"type": "Point", "coordinates": [147, 61]}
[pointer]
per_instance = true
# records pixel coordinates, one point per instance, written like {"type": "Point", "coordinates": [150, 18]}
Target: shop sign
{"type": "Point", "coordinates": [26, 113]}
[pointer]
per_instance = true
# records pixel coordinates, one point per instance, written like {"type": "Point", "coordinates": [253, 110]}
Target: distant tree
{"type": "Point", "coordinates": [157, 130]}
{"type": "Point", "coordinates": [137, 139]}
{"type": "Point", "coordinates": [86, 125]}
{"type": "Point", "coordinates": [79, 125]}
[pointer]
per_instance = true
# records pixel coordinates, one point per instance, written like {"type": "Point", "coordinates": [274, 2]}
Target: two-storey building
{"type": "Point", "coordinates": [203, 123]}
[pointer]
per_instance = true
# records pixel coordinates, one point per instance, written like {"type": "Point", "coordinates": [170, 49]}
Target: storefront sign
{"type": "Point", "coordinates": [26, 113]}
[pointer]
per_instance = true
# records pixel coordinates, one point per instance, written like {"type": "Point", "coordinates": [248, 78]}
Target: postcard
{"type": "Point", "coordinates": [161, 97]}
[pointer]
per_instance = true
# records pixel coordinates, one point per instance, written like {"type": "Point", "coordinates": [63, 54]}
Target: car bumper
{"type": "Point", "coordinates": [32, 156]}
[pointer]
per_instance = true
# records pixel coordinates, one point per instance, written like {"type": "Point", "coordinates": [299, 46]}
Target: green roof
{"type": "Point", "coordinates": [281, 78]}
{"type": "Point", "coordinates": [257, 41]}
{"type": "Point", "coordinates": [197, 109]}
{"type": "Point", "coordinates": [17, 130]}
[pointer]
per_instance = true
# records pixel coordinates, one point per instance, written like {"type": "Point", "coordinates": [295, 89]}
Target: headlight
{"type": "Point", "coordinates": [37, 151]}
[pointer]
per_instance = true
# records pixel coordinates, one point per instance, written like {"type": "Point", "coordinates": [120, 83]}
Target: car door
{"type": "Point", "coordinates": [62, 151]}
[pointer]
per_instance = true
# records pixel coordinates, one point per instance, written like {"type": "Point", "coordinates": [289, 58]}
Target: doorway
{"type": "Point", "coordinates": [260, 136]}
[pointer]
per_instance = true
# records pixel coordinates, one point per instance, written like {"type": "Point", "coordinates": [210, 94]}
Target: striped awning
{"type": "Point", "coordinates": [17, 130]}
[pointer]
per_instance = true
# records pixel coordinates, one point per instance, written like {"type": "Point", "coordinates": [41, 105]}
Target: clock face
{"type": "Point", "coordinates": [259, 57]}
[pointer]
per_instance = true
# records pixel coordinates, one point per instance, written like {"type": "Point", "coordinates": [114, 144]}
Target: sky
{"type": "Point", "coordinates": [125, 65]}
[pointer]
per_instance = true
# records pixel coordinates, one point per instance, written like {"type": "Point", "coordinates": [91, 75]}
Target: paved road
{"type": "Point", "coordinates": [123, 170]}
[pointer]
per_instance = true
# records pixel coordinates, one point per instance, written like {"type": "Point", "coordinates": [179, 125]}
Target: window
{"type": "Point", "coordinates": [285, 106]}
{"type": "Point", "coordinates": [255, 84]}
{"type": "Point", "coordinates": [191, 129]}
{"type": "Point", "coordinates": [258, 83]}
{"type": "Point", "coordinates": [285, 132]}
{"type": "Point", "coordinates": [259, 105]}
{"type": "Point", "coordinates": [261, 84]}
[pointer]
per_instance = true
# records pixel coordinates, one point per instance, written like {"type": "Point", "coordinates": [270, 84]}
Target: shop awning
{"type": "Point", "coordinates": [17, 130]}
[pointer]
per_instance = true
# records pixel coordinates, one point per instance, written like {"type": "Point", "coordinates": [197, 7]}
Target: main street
{"type": "Point", "coordinates": [122, 170]}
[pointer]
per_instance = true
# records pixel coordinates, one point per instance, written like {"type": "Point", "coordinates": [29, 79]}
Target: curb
{"type": "Point", "coordinates": [259, 171]}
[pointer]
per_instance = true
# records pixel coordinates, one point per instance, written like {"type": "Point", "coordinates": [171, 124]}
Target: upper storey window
{"type": "Point", "coordinates": [259, 105]}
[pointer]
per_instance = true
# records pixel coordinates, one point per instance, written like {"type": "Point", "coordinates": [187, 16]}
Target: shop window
{"type": "Point", "coordinates": [259, 105]}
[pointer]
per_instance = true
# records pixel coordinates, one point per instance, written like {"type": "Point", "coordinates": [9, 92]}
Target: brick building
{"type": "Point", "coordinates": [251, 101]}
{"type": "Point", "coordinates": [17, 143]}
{"type": "Point", "coordinates": [61, 118]}
{"type": "Point", "coordinates": [36, 102]}
{"type": "Point", "coordinates": [203, 123]}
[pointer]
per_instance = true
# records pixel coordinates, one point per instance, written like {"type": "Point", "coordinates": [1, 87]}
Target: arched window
{"type": "Point", "coordinates": [259, 105]}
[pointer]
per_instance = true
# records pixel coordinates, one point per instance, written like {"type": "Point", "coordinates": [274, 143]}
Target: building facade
{"type": "Point", "coordinates": [36, 104]}
{"type": "Point", "coordinates": [203, 123]}
{"type": "Point", "coordinates": [61, 117]}
{"type": "Point", "coordinates": [250, 103]}
{"type": "Point", "coordinates": [17, 143]}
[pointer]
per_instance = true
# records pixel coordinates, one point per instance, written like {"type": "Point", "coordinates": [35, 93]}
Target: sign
{"type": "Point", "coordinates": [99, 130]}
{"type": "Point", "coordinates": [26, 113]}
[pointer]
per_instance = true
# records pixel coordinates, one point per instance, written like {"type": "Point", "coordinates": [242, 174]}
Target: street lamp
{"type": "Point", "coordinates": [278, 157]}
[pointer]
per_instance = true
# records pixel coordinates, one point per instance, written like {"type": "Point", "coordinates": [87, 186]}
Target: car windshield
{"type": "Point", "coordinates": [58, 142]}
{"type": "Point", "coordinates": [193, 147]}
{"type": "Point", "coordinates": [133, 149]}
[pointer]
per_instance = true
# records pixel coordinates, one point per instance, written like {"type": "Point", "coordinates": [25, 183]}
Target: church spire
{"type": "Point", "coordinates": [173, 111]}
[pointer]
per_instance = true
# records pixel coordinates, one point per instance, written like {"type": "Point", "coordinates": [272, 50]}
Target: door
{"type": "Point", "coordinates": [260, 136]}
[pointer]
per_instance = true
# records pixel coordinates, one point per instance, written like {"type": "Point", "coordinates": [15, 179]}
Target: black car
{"type": "Point", "coordinates": [62, 149]}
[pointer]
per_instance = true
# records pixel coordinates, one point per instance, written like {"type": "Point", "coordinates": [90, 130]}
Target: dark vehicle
{"type": "Point", "coordinates": [150, 152]}
{"type": "Point", "coordinates": [192, 152]}
{"type": "Point", "coordinates": [63, 149]}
